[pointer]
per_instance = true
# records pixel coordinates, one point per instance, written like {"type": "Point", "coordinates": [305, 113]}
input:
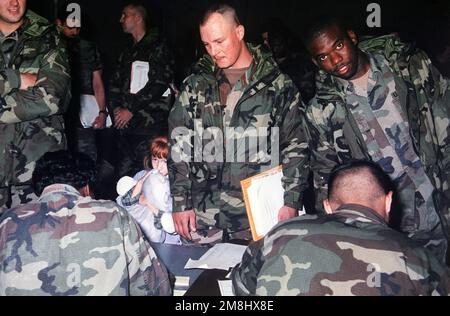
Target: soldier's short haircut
{"type": "Point", "coordinates": [221, 8]}
{"type": "Point", "coordinates": [141, 10]}
{"type": "Point", "coordinates": [75, 169]}
{"type": "Point", "coordinates": [380, 182]}
{"type": "Point", "coordinates": [319, 25]}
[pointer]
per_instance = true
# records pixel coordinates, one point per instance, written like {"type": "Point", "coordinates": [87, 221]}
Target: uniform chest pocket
{"type": "Point", "coordinates": [30, 57]}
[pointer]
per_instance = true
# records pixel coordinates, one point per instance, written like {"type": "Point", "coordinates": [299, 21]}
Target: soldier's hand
{"type": "Point", "coordinates": [100, 121]}
{"type": "Point", "coordinates": [286, 212]}
{"type": "Point", "coordinates": [27, 80]}
{"type": "Point", "coordinates": [122, 117]}
{"type": "Point", "coordinates": [184, 223]}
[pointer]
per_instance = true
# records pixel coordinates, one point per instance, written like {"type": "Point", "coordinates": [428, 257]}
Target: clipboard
{"type": "Point", "coordinates": [263, 197]}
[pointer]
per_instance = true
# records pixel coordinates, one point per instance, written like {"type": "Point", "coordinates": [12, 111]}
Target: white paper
{"type": "Point", "coordinates": [89, 111]}
{"type": "Point", "coordinates": [226, 287]}
{"type": "Point", "coordinates": [222, 256]}
{"type": "Point", "coordinates": [266, 197]}
{"type": "Point", "coordinates": [139, 75]}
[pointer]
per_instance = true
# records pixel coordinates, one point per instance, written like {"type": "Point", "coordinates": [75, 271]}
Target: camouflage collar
{"type": "Point", "coordinates": [375, 60]}
{"type": "Point", "coordinates": [37, 25]}
{"type": "Point", "coordinates": [50, 192]}
{"type": "Point", "coordinates": [263, 64]}
{"type": "Point", "coordinates": [16, 34]}
{"type": "Point", "coordinates": [360, 213]}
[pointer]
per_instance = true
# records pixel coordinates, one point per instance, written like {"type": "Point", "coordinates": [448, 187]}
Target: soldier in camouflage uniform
{"type": "Point", "coordinates": [351, 251]}
{"type": "Point", "coordinates": [86, 72]}
{"type": "Point", "coordinates": [383, 100]}
{"type": "Point", "coordinates": [140, 116]}
{"type": "Point", "coordinates": [235, 90]}
{"type": "Point", "coordinates": [35, 90]}
{"type": "Point", "coordinates": [67, 243]}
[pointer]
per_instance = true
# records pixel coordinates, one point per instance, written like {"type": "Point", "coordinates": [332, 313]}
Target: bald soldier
{"type": "Point", "coordinates": [350, 251]}
{"type": "Point", "coordinates": [245, 117]}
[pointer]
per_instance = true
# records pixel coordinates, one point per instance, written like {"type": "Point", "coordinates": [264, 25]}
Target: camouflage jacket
{"type": "Point", "coordinates": [270, 106]}
{"type": "Point", "coordinates": [424, 96]}
{"type": "Point", "coordinates": [148, 106]}
{"type": "Point", "coordinates": [350, 252]}
{"type": "Point", "coordinates": [66, 244]}
{"type": "Point", "coordinates": [31, 122]}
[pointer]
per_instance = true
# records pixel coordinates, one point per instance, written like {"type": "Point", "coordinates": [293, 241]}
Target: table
{"type": "Point", "coordinates": [202, 282]}
{"type": "Point", "coordinates": [175, 257]}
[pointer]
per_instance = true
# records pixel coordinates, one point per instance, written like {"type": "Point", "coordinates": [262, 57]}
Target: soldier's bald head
{"type": "Point", "coordinates": [228, 13]}
{"type": "Point", "coordinates": [359, 182]}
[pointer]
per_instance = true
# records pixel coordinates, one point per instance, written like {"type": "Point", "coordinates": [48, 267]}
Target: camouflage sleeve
{"type": "Point", "coordinates": [294, 149]}
{"type": "Point", "coordinates": [323, 154]}
{"type": "Point", "coordinates": [437, 92]}
{"type": "Point", "coordinates": [147, 274]}
{"type": "Point", "coordinates": [160, 74]}
{"type": "Point", "coordinates": [115, 90]}
{"type": "Point", "coordinates": [441, 112]}
{"type": "Point", "coordinates": [244, 275]}
{"type": "Point", "coordinates": [9, 80]}
{"type": "Point", "coordinates": [440, 277]}
{"type": "Point", "coordinates": [180, 153]}
{"type": "Point", "coordinates": [49, 96]}
{"type": "Point", "coordinates": [434, 90]}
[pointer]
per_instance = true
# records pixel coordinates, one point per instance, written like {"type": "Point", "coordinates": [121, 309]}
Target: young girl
{"type": "Point", "coordinates": [149, 201]}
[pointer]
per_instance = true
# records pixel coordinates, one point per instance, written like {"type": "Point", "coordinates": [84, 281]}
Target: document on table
{"type": "Point", "coordinates": [139, 75]}
{"type": "Point", "coordinates": [89, 111]}
{"type": "Point", "coordinates": [221, 256]}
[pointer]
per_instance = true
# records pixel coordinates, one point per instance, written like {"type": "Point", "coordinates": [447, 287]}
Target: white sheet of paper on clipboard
{"type": "Point", "coordinates": [139, 75]}
{"type": "Point", "coordinates": [263, 196]}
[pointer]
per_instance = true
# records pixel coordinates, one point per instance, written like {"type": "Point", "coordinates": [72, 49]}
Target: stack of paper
{"type": "Point", "coordinates": [222, 256]}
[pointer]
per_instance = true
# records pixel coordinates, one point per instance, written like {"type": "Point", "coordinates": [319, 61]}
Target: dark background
{"type": "Point", "coordinates": [425, 22]}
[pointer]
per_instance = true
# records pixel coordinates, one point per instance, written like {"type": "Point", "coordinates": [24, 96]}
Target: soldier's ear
{"type": "Point", "coordinates": [353, 37]}
{"type": "Point", "coordinates": [327, 206]}
{"type": "Point", "coordinates": [240, 31]}
{"type": "Point", "coordinates": [388, 203]}
{"type": "Point", "coordinates": [85, 191]}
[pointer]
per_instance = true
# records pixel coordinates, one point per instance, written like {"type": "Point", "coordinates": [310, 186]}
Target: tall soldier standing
{"type": "Point", "coordinates": [34, 88]}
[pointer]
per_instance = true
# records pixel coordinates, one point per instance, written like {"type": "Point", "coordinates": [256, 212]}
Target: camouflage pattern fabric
{"type": "Point", "coordinates": [208, 179]}
{"type": "Point", "coordinates": [31, 123]}
{"type": "Point", "coordinates": [66, 244]}
{"type": "Point", "coordinates": [149, 107]}
{"type": "Point", "coordinates": [421, 96]}
{"type": "Point", "coordinates": [351, 252]}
